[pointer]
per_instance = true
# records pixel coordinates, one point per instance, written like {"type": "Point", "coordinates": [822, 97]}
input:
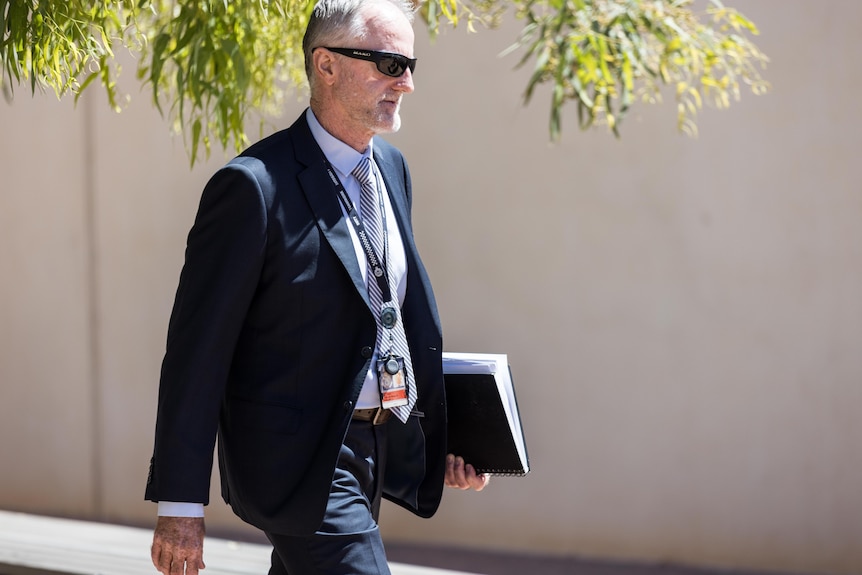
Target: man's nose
{"type": "Point", "coordinates": [404, 82]}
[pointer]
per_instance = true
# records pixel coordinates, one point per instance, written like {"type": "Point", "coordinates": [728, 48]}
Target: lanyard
{"type": "Point", "coordinates": [378, 267]}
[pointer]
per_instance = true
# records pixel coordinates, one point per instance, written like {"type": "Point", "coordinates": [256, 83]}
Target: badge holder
{"type": "Point", "coordinates": [393, 386]}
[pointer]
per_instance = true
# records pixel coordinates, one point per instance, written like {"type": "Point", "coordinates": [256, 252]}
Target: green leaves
{"type": "Point", "coordinates": [52, 44]}
{"type": "Point", "coordinates": [213, 64]}
{"type": "Point", "coordinates": [209, 63]}
{"type": "Point", "coordinates": [605, 54]}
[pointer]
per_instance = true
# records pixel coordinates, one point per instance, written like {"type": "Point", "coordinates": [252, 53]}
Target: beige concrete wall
{"type": "Point", "coordinates": [47, 407]}
{"type": "Point", "coordinates": [682, 316]}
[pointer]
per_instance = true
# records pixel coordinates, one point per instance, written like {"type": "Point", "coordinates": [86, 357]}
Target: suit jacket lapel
{"type": "Point", "coordinates": [321, 196]}
{"type": "Point", "coordinates": [398, 198]}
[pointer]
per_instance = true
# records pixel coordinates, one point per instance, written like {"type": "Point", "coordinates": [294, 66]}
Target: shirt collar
{"type": "Point", "coordinates": [342, 157]}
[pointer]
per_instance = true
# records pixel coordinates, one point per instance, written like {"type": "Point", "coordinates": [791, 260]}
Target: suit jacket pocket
{"type": "Point", "coordinates": [263, 416]}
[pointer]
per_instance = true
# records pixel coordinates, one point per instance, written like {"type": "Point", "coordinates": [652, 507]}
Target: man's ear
{"type": "Point", "coordinates": [325, 65]}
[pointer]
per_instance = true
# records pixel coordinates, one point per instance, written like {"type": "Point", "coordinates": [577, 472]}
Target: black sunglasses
{"type": "Point", "coordinates": [388, 63]}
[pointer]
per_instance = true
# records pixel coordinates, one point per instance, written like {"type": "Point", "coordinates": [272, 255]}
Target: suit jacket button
{"type": "Point", "coordinates": [367, 352]}
{"type": "Point", "coordinates": [348, 405]}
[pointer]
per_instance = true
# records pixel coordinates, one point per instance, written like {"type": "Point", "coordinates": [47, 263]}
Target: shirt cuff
{"type": "Point", "coordinates": [178, 509]}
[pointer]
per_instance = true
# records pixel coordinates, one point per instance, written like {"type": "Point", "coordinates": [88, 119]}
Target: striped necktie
{"type": "Point", "coordinates": [388, 340]}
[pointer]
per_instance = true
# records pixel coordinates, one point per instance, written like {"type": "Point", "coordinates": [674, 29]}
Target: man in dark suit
{"type": "Point", "coordinates": [279, 346]}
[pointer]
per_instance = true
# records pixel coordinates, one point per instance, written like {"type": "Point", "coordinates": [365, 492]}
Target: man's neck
{"type": "Point", "coordinates": [339, 128]}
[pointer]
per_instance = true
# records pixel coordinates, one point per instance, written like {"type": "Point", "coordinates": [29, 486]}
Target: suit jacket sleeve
{"type": "Point", "coordinates": [223, 260]}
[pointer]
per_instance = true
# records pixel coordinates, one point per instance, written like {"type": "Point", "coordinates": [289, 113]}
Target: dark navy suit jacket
{"type": "Point", "coordinates": [270, 339]}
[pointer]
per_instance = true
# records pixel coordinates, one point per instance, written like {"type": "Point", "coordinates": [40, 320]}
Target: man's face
{"type": "Point", "coordinates": [370, 98]}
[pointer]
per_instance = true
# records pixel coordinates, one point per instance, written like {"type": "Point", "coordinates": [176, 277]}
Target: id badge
{"type": "Point", "coordinates": [393, 387]}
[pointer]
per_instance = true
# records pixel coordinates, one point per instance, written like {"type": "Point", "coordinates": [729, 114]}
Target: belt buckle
{"type": "Point", "coordinates": [380, 416]}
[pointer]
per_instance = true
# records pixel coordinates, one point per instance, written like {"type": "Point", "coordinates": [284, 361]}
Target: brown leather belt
{"type": "Point", "coordinates": [376, 415]}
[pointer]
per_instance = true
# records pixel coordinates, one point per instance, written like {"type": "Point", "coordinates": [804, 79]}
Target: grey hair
{"type": "Point", "coordinates": [334, 22]}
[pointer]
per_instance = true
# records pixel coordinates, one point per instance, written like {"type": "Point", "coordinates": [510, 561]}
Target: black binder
{"type": "Point", "coordinates": [484, 426]}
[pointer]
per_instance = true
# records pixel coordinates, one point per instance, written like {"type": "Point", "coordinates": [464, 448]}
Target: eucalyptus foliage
{"type": "Point", "coordinates": [211, 64]}
{"type": "Point", "coordinates": [606, 54]}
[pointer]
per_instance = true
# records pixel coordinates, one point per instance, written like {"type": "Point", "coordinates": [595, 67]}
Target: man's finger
{"type": "Point", "coordinates": [477, 481]}
{"type": "Point", "coordinates": [193, 565]}
{"type": "Point", "coordinates": [451, 479]}
{"type": "Point", "coordinates": [155, 554]}
{"type": "Point", "coordinates": [164, 564]}
{"type": "Point", "coordinates": [461, 473]}
{"type": "Point", "coordinates": [459, 477]}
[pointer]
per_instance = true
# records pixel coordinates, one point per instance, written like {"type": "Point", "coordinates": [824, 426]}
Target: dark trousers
{"type": "Point", "coordinates": [348, 542]}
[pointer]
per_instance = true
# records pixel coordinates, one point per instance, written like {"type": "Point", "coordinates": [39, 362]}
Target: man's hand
{"type": "Point", "coordinates": [178, 545]}
{"type": "Point", "coordinates": [463, 476]}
